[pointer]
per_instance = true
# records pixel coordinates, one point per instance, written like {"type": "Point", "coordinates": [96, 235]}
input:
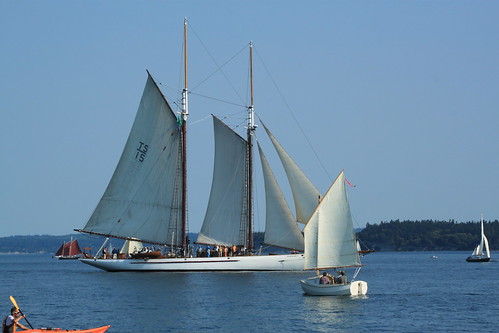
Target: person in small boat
{"type": "Point", "coordinates": [324, 279]}
{"type": "Point", "coordinates": [342, 278]}
{"type": "Point", "coordinates": [12, 321]}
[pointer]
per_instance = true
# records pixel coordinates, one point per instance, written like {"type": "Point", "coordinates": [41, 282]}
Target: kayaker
{"type": "Point", "coordinates": [12, 321]}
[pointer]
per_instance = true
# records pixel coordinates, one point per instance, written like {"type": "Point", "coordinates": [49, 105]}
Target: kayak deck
{"type": "Point", "coordinates": [90, 330]}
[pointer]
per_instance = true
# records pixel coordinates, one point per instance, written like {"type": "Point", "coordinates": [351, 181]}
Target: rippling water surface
{"type": "Point", "coordinates": [408, 292]}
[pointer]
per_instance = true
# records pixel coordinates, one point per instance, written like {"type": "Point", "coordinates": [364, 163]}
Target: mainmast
{"type": "Point", "coordinates": [185, 113]}
{"type": "Point", "coordinates": [250, 131]}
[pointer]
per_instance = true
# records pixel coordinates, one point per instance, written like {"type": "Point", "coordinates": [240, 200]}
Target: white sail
{"type": "Point", "coordinates": [482, 249]}
{"type": "Point", "coordinates": [330, 240]}
{"type": "Point", "coordinates": [227, 212]}
{"type": "Point", "coordinates": [305, 195]}
{"type": "Point", "coordinates": [131, 246]}
{"type": "Point", "coordinates": [142, 200]}
{"type": "Point", "coordinates": [484, 243]}
{"type": "Point", "coordinates": [280, 227]}
{"type": "Point", "coordinates": [486, 246]}
{"type": "Point", "coordinates": [477, 251]}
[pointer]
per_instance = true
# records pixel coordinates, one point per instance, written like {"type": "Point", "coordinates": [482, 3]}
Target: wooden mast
{"type": "Point", "coordinates": [185, 113]}
{"type": "Point", "coordinates": [251, 129]}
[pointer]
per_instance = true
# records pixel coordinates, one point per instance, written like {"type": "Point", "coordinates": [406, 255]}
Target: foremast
{"type": "Point", "coordinates": [251, 127]}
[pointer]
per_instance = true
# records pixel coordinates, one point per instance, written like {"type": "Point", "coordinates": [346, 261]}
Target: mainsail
{"type": "Point", "coordinates": [143, 198]}
{"type": "Point", "coordinates": [330, 240]}
{"type": "Point", "coordinates": [305, 194]}
{"type": "Point", "coordinates": [226, 214]}
{"type": "Point", "coordinates": [281, 228]}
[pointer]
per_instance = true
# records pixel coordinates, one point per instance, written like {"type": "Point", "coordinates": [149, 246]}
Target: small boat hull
{"type": "Point", "coordinates": [280, 262]}
{"type": "Point", "coordinates": [90, 330]}
{"type": "Point", "coordinates": [355, 288]}
{"type": "Point", "coordinates": [477, 259]}
{"type": "Point", "coordinates": [68, 257]}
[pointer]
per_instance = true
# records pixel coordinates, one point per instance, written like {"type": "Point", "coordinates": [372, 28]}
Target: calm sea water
{"type": "Point", "coordinates": [408, 292]}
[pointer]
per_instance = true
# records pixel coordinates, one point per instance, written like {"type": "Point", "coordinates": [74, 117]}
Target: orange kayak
{"type": "Point", "coordinates": [47, 330]}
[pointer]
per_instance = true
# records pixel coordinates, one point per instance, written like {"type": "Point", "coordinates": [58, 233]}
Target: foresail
{"type": "Point", "coordinates": [60, 251]}
{"type": "Point", "coordinates": [305, 195]}
{"type": "Point", "coordinates": [329, 235]}
{"type": "Point", "coordinates": [226, 213]}
{"type": "Point", "coordinates": [486, 246]}
{"type": "Point", "coordinates": [477, 251]}
{"type": "Point", "coordinates": [142, 200]}
{"type": "Point", "coordinates": [280, 226]}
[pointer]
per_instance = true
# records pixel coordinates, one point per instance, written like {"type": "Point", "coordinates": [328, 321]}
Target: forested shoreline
{"type": "Point", "coordinates": [425, 235]}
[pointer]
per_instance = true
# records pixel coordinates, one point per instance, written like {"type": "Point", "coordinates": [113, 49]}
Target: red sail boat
{"type": "Point", "coordinates": [69, 250]}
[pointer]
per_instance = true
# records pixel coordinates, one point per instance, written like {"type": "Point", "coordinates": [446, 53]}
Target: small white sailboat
{"type": "Point", "coordinates": [481, 252]}
{"type": "Point", "coordinates": [330, 243]}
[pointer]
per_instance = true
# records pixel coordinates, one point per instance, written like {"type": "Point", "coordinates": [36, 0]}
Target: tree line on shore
{"type": "Point", "coordinates": [428, 235]}
{"type": "Point", "coordinates": [396, 235]}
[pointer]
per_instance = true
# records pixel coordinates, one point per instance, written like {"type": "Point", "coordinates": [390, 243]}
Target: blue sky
{"type": "Point", "coordinates": [403, 95]}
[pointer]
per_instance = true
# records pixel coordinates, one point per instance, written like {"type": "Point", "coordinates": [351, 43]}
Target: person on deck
{"type": "Point", "coordinates": [12, 321]}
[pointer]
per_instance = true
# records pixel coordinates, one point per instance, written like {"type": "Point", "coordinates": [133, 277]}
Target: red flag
{"type": "Point", "coordinates": [350, 183]}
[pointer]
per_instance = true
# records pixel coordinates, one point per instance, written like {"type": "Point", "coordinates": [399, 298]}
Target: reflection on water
{"type": "Point", "coordinates": [331, 313]}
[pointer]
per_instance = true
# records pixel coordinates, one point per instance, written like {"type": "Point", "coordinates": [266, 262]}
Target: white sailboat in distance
{"type": "Point", "coordinates": [481, 253]}
{"type": "Point", "coordinates": [146, 199]}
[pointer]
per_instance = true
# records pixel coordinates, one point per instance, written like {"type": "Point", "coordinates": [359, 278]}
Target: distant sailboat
{"type": "Point", "coordinates": [146, 199]}
{"type": "Point", "coordinates": [481, 252]}
{"type": "Point", "coordinates": [330, 243]}
{"type": "Point", "coordinates": [69, 250]}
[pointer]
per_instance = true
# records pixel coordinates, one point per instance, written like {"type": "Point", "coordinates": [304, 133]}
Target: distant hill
{"type": "Point", "coordinates": [45, 243]}
{"type": "Point", "coordinates": [426, 235]}
{"type": "Point", "coordinates": [50, 244]}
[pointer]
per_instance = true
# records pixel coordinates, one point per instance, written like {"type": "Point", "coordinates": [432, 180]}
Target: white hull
{"type": "Point", "coordinates": [284, 262]}
{"type": "Point", "coordinates": [315, 289]}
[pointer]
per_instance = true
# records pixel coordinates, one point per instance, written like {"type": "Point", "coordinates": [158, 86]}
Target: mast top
{"type": "Point", "coordinates": [185, 103]}
{"type": "Point", "coordinates": [251, 111]}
